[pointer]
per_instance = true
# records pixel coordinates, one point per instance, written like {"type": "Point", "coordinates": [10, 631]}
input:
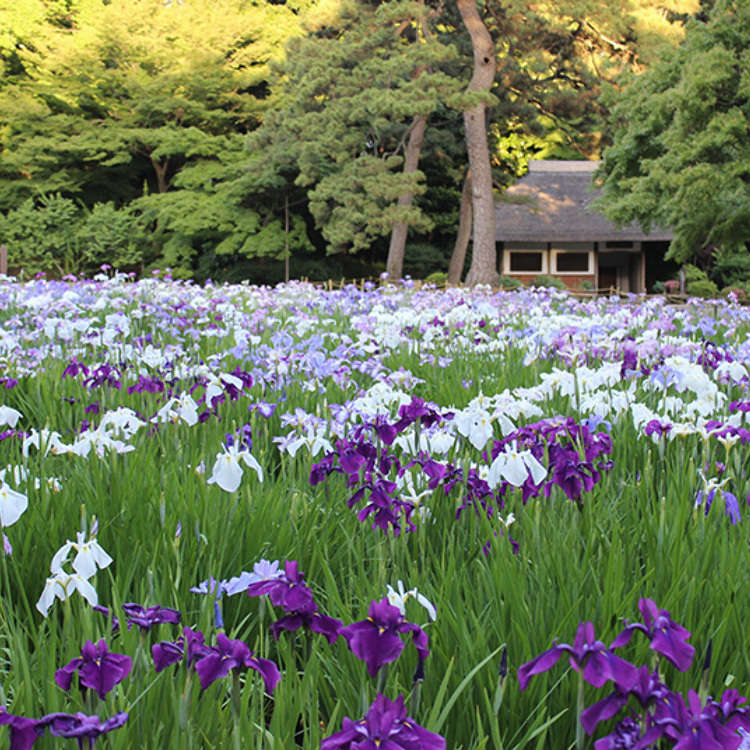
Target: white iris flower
{"type": "Point", "coordinates": [227, 472]}
{"type": "Point", "coordinates": [400, 597]}
{"type": "Point", "coordinates": [514, 467]}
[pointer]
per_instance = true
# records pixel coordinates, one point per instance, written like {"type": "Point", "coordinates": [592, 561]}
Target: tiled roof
{"type": "Point", "coordinates": [554, 204]}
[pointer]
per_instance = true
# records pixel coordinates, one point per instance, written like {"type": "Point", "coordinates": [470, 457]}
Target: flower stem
{"type": "Point", "coordinates": [579, 711]}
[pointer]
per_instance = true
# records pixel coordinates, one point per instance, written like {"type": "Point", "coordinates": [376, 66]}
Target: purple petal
{"type": "Point", "coordinates": [540, 664]}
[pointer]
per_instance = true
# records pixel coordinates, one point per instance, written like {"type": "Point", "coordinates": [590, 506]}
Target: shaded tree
{"type": "Point", "coordinates": [680, 157]}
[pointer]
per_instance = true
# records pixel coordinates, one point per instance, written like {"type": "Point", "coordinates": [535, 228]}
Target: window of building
{"type": "Point", "coordinates": [571, 262]}
{"type": "Point", "coordinates": [525, 261]}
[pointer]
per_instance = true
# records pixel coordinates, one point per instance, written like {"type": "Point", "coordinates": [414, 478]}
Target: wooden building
{"type": "Point", "coordinates": [545, 225]}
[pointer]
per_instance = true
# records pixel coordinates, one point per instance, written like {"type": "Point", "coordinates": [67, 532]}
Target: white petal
{"type": "Point", "coordinates": [9, 416]}
{"type": "Point", "coordinates": [538, 471]}
{"type": "Point", "coordinates": [427, 604]}
{"type": "Point", "coordinates": [86, 590]}
{"type": "Point", "coordinates": [54, 587]}
{"type": "Point", "coordinates": [60, 557]}
{"type": "Point", "coordinates": [481, 432]}
{"type": "Point", "coordinates": [250, 460]}
{"type": "Point", "coordinates": [227, 472]}
{"type": "Point", "coordinates": [12, 505]}
{"type": "Point", "coordinates": [515, 471]}
{"type": "Point", "coordinates": [496, 471]}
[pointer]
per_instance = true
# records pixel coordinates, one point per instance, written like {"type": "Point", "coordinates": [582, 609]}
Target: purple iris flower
{"type": "Point", "coordinates": [385, 727]}
{"type": "Point", "coordinates": [97, 668]}
{"type": "Point", "coordinates": [647, 689]}
{"type": "Point", "coordinates": [289, 590]}
{"type": "Point", "coordinates": [692, 726]}
{"type": "Point", "coordinates": [731, 504]}
{"type": "Point", "coordinates": [146, 617]}
{"type": "Point", "coordinates": [667, 637]}
{"type": "Point", "coordinates": [82, 727]}
{"type": "Point", "coordinates": [376, 640]}
{"type": "Point", "coordinates": [229, 655]}
{"type": "Point", "coordinates": [189, 646]}
{"type": "Point", "coordinates": [24, 732]}
{"type": "Point", "coordinates": [627, 734]}
{"type": "Point", "coordinates": [597, 661]}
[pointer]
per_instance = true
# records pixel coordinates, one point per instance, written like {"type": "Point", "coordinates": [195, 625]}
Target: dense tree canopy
{"type": "Point", "coordinates": [681, 151]}
{"type": "Point", "coordinates": [205, 132]}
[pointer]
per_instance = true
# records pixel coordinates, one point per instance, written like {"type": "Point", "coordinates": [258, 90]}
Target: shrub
{"type": "Point", "coordinates": [438, 277]}
{"type": "Point", "coordinates": [545, 280]}
{"type": "Point", "coordinates": [702, 288]}
{"type": "Point", "coordinates": [507, 282]}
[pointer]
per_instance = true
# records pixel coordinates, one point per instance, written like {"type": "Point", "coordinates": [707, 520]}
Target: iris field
{"type": "Point", "coordinates": [393, 518]}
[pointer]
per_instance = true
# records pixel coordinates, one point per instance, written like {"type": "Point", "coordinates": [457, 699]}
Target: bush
{"type": "Point", "coordinates": [545, 280]}
{"type": "Point", "coordinates": [702, 288]}
{"type": "Point", "coordinates": [507, 282]}
{"type": "Point", "coordinates": [41, 236]}
{"type": "Point", "coordinates": [740, 293]}
{"type": "Point", "coordinates": [439, 278]}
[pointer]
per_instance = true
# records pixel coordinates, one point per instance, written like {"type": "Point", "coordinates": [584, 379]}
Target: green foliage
{"type": "Point", "coordinates": [693, 273]}
{"type": "Point", "coordinates": [55, 235]}
{"type": "Point", "coordinates": [41, 236]}
{"type": "Point", "coordinates": [731, 267]}
{"type": "Point", "coordinates": [508, 282]}
{"type": "Point", "coordinates": [347, 107]}
{"type": "Point", "coordinates": [681, 152]}
{"type": "Point", "coordinates": [116, 102]}
{"type": "Point", "coordinates": [544, 279]}
{"type": "Point", "coordinates": [702, 288]}
{"type": "Point", "coordinates": [423, 259]}
{"type": "Point", "coordinates": [437, 277]}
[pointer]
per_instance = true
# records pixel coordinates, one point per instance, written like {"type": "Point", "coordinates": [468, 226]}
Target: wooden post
{"type": "Point", "coordinates": [3, 260]}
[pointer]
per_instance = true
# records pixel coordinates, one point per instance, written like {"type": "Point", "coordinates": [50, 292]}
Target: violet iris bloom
{"type": "Point", "coordinates": [385, 727]}
{"type": "Point", "coordinates": [189, 646]}
{"type": "Point", "coordinates": [82, 727]}
{"type": "Point", "coordinates": [146, 617]}
{"type": "Point", "coordinates": [647, 690]}
{"type": "Point", "coordinates": [97, 668]}
{"type": "Point", "coordinates": [376, 640]}
{"type": "Point", "coordinates": [597, 661]}
{"type": "Point", "coordinates": [24, 732]}
{"type": "Point", "coordinates": [289, 590]}
{"type": "Point", "coordinates": [667, 637]}
{"type": "Point", "coordinates": [234, 655]}
{"type": "Point", "coordinates": [692, 726]}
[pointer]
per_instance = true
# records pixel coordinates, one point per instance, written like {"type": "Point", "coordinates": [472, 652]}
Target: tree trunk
{"type": "Point", "coordinates": [484, 255]}
{"type": "Point", "coordinates": [458, 258]}
{"type": "Point", "coordinates": [397, 248]}
{"type": "Point", "coordinates": [160, 168]}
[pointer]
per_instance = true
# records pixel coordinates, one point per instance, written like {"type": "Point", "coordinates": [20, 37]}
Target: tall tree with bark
{"type": "Point", "coordinates": [358, 93]}
{"type": "Point", "coordinates": [483, 268]}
